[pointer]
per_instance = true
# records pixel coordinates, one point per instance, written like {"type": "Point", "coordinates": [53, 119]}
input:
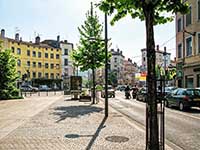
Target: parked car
{"type": "Point", "coordinates": [141, 94]}
{"type": "Point", "coordinates": [111, 92]}
{"type": "Point", "coordinates": [183, 98]}
{"type": "Point", "coordinates": [44, 88]}
{"type": "Point", "coordinates": [28, 88]}
{"type": "Point", "coordinates": [121, 87]}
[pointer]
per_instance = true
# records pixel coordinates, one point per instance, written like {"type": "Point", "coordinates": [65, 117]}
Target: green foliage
{"type": "Point", "coordinates": [90, 53]}
{"type": "Point", "coordinates": [112, 78]}
{"type": "Point", "coordinates": [169, 75]}
{"type": "Point", "coordinates": [140, 8]}
{"type": "Point", "coordinates": [8, 75]}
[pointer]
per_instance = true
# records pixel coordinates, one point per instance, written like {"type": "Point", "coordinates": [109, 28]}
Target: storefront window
{"type": "Point", "coordinates": [189, 82]}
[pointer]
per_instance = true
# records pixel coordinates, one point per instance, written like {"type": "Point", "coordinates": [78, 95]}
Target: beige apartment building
{"type": "Point", "coordinates": [188, 46]}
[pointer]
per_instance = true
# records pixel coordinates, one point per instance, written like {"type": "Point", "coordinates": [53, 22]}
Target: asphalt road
{"type": "Point", "coordinates": [182, 129]}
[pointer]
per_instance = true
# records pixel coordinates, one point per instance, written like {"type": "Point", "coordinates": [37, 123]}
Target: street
{"type": "Point", "coordinates": [182, 129]}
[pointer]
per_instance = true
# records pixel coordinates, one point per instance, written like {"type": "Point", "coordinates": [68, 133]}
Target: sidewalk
{"type": "Point", "coordinates": [74, 125]}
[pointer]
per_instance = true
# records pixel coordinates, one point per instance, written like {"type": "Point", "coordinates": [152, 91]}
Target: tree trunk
{"type": "Point", "coordinates": [93, 91]}
{"type": "Point", "coordinates": [151, 108]}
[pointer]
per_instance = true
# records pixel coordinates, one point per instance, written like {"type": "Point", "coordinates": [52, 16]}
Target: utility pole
{"type": "Point", "coordinates": [106, 67]}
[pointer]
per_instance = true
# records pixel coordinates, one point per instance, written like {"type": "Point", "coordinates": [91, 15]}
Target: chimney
{"type": "Point", "coordinates": [118, 50]}
{"type": "Point", "coordinates": [157, 47]}
{"type": "Point", "coordinates": [58, 41]}
{"type": "Point", "coordinates": [20, 39]}
{"type": "Point", "coordinates": [17, 36]}
{"type": "Point", "coordinates": [58, 38]}
{"type": "Point", "coordinates": [65, 41]}
{"type": "Point", "coordinates": [2, 33]}
{"type": "Point", "coordinates": [37, 40]}
{"type": "Point", "coordinates": [175, 59]}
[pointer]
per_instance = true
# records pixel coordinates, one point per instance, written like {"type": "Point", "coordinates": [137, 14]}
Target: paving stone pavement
{"type": "Point", "coordinates": [74, 125]}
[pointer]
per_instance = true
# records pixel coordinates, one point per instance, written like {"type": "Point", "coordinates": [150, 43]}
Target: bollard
{"type": "Point", "coordinates": [30, 93]}
{"type": "Point", "coordinates": [25, 93]}
{"type": "Point", "coordinates": [38, 93]}
{"type": "Point", "coordinates": [47, 93]}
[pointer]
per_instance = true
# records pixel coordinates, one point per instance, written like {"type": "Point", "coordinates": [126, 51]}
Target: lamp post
{"type": "Point", "coordinates": [106, 67]}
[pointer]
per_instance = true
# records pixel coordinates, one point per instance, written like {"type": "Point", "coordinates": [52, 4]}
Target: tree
{"type": "Point", "coordinates": [150, 11]}
{"type": "Point", "coordinates": [112, 78]}
{"type": "Point", "coordinates": [8, 75]}
{"type": "Point", "coordinates": [90, 53]}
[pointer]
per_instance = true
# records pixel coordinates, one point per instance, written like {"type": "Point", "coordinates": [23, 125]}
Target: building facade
{"type": "Point", "coordinates": [188, 46]}
{"type": "Point", "coordinates": [67, 67]}
{"type": "Point", "coordinates": [117, 65]}
{"type": "Point", "coordinates": [130, 69]}
{"type": "Point", "coordinates": [161, 59]}
{"type": "Point", "coordinates": [37, 60]}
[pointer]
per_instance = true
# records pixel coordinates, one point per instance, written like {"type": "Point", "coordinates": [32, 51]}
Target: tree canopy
{"type": "Point", "coordinates": [138, 8]}
{"type": "Point", "coordinates": [90, 53]}
{"type": "Point", "coordinates": [8, 75]}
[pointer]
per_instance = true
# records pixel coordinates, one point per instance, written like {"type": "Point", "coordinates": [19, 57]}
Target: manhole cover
{"type": "Point", "coordinates": [72, 136]}
{"type": "Point", "coordinates": [117, 139]}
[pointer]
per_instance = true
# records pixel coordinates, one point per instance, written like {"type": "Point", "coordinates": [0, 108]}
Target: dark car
{"type": "Point", "coordinates": [141, 94]}
{"type": "Point", "coordinates": [183, 98]}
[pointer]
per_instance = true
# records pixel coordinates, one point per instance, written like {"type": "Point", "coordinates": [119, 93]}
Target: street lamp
{"type": "Point", "coordinates": [106, 67]}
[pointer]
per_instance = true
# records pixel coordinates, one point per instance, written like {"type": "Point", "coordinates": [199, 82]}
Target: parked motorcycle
{"type": "Point", "coordinates": [134, 92]}
{"type": "Point", "coordinates": [127, 94]}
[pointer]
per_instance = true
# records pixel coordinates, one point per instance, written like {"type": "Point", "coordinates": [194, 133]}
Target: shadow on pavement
{"type": "Point", "coordinates": [101, 126]}
{"type": "Point", "coordinates": [74, 111]}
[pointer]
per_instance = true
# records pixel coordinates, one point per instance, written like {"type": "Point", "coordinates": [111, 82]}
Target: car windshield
{"type": "Point", "coordinates": [193, 92]}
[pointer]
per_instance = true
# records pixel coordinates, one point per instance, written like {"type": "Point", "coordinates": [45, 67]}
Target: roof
{"type": "Point", "coordinates": [28, 43]}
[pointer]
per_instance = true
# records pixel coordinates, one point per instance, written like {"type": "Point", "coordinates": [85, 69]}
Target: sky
{"type": "Point", "coordinates": [49, 18]}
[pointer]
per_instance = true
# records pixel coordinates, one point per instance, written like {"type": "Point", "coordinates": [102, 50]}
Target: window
{"type": "Point", "coordinates": [46, 65]}
{"type": "Point", "coordinates": [115, 60]}
{"type": "Point", "coordinates": [28, 53]}
{"type": "Point", "coordinates": [57, 66]}
{"type": "Point", "coordinates": [52, 66]}
{"type": "Point", "coordinates": [66, 62]}
{"type": "Point", "coordinates": [143, 58]}
{"type": "Point", "coordinates": [66, 51]}
{"type": "Point", "coordinates": [46, 75]}
{"type": "Point", "coordinates": [179, 50]}
{"type": "Point", "coordinates": [179, 27]}
{"type": "Point", "coordinates": [198, 11]}
{"type": "Point", "coordinates": [57, 56]}
{"type": "Point", "coordinates": [46, 55]}
{"type": "Point", "coordinates": [13, 49]}
{"type": "Point", "coordinates": [34, 54]}
{"type": "Point", "coordinates": [189, 46]}
{"type": "Point", "coordinates": [39, 65]}
{"type": "Point", "coordinates": [198, 40]}
{"type": "Point", "coordinates": [198, 80]}
{"type": "Point", "coordinates": [52, 75]}
{"type": "Point", "coordinates": [52, 56]}
{"type": "Point", "coordinates": [39, 54]}
{"type": "Point", "coordinates": [28, 63]}
{"type": "Point", "coordinates": [18, 62]}
{"type": "Point", "coordinates": [34, 75]}
{"type": "Point", "coordinates": [39, 75]}
{"type": "Point", "coordinates": [189, 17]}
{"type": "Point", "coordinates": [34, 64]}
{"type": "Point", "coordinates": [57, 75]}
{"type": "Point", "coordinates": [18, 51]}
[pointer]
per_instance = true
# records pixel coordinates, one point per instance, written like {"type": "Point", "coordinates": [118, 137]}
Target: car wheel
{"type": "Point", "coordinates": [181, 106]}
{"type": "Point", "coordinates": [137, 98]}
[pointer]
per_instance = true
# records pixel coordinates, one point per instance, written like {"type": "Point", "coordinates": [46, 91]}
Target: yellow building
{"type": "Point", "coordinates": [36, 60]}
